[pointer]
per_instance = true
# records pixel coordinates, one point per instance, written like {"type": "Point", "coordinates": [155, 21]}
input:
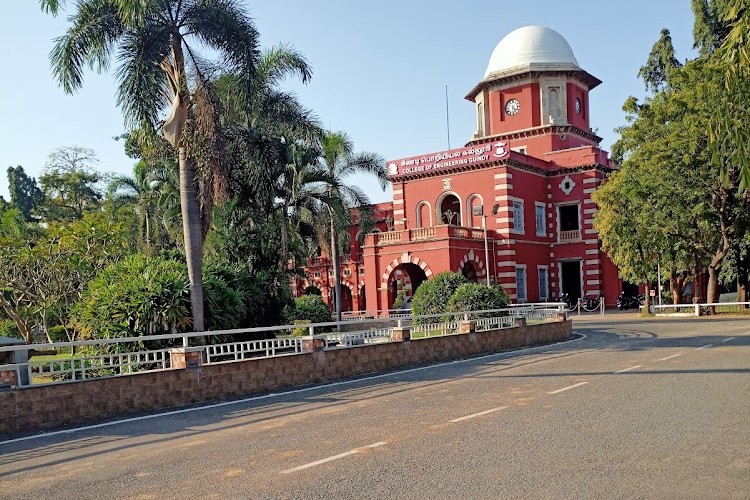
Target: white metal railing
{"type": "Point", "coordinates": [700, 309]}
{"type": "Point", "coordinates": [484, 324]}
{"type": "Point", "coordinates": [95, 366]}
{"type": "Point", "coordinates": [132, 355]}
{"type": "Point", "coordinates": [237, 351]}
{"type": "Point", "coordinates": [542, 315]}
{"type": "Point", "coordinates": [435, 329]}
{"type": "Point", "coordinates": [407, 313]}
{"type": "Point", "coordinates": [349, 339]}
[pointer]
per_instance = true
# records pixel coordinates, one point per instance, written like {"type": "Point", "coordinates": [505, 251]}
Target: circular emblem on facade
{"type": "Point", "coordinates": [567, 185]}
{"type": "Point", "coordinates": [512, 107]}
{"type": "Point", "coordinates": [578, 106]}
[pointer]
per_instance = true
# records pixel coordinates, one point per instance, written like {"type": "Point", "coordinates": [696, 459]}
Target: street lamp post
{"type": "Point", "coordinates": [486, 250]}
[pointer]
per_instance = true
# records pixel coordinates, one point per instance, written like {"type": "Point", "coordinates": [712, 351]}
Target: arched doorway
{"type": "Point", "coordinates": [346, 298]}
{"type": "Point", "coordinates": [313, 290]}
{"type": "Point", "coordinates": [362, 306]}
{"type": "Point", "coordinates": [470, 272]}
{"type": "Point", "coordinates": [407, 278]}
{"type": "Point", "coordinates": [450, 210]}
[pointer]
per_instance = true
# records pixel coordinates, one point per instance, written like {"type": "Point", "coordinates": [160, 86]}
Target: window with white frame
{"type": "Point", "coordinates": [518, 216]}
{"type": "Point", "coordinates": [521, 283]}
{"type": "Point", "coordinates": [540, 219]}
{"type": "Point", "coordinates": [543, 282]}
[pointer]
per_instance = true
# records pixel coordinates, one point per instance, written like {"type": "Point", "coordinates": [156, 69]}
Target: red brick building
{"type": "Point", "coordinates": [527, 176]}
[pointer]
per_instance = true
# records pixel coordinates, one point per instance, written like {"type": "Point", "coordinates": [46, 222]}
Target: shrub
{"type": "Point", "coordinates": [224, 302]}
{"type": "Point", "coordinates": [301, 330]}
{"type": "Point", "coordinates": [477, 297]}
{"type": "Point", "coordinates": [311, 308]}
{"type": "Point", "coordinates": [432, 296]}
{"type": "Point", "coordinates": [398, 302]}
{"type": "Point", "coordinates": [137, 296]}
{"type": "Point", "coordinates": [8, 328]}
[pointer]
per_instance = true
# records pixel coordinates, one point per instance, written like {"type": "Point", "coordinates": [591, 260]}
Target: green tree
{"type": "Point", "coordinates": [146, 192]}
{"type": "Point", "coordinates": [24, 192]}
{"type": "Point", "coordinates": [161, 67]}
{"type": "Point", "coordinates": [668, 202]}
{"type": "Point", "coordinates": [70, 184]}
{"type": "Point", "coordinates": [45, 270]}
{"type": "Point", "coordinates": [339, 161]}
{"type": "Point", "coordinates": [661, 61]}
{"type": "Point", "coordinates": [709, 28]}
{"type": "Point", "coordinates": [729, 134]}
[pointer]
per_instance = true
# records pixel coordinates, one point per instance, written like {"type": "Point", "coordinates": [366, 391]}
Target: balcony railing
{"type": "Point", "coordinates": [574, 235]}
{"type": "Point", "coordinates": [317, 261]}
{"type": "Point", "coordinates": [423, 233]}
{"type": "Point", "coordinates": [428, 233]}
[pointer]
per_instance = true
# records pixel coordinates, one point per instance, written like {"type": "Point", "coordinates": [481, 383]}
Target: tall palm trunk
{"type": "Point", "coordinates": [336, 278]}
{"type": "Point", "coordinates": [285, 238]}
{"type": "Point", "coordinates": [191, 228]}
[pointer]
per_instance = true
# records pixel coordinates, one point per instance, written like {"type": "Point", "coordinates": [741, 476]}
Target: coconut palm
{"type": "Point", "coordinates": [340, 161]}
{"type": "Point", "coordinates": [156, 43]}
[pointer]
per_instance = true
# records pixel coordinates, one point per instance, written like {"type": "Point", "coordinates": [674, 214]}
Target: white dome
{"type": "Point", "coordinates": [530, 45]}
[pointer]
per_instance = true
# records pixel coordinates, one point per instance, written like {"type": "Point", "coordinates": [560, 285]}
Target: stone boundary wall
{"type": "Point", "coordinates": [25, 410]}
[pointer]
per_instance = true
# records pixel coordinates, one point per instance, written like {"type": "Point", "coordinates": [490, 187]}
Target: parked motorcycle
{"type": "Point", "coordinates": [566, 299]}
{"type": "Point", "coordinates": [628, 301]}
{"type": "Point", "coordinates": [590, 303]}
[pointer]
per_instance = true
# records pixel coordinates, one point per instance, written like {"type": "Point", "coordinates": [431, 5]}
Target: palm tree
{"type": "Point", "coordinates": [277, 137]}
{"type": "Point", "coordinates": [152, 192]}
{"type": "Point", "coordinates": [160, 68]}
{"type": "Point", "coordinates": [339, 161]}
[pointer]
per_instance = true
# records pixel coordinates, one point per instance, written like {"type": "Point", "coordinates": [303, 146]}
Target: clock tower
{"type": "Point", "coordinates": [534, 94]}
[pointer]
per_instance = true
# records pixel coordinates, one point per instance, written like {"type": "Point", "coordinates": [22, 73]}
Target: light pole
{"type": "Point", "coordinates": [486, 250]}
{"type": "Point", "coordinates": [658, 277]}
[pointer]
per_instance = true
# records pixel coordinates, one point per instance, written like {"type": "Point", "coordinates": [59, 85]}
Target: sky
{"type": "Point", "coordinates": [380, 70]}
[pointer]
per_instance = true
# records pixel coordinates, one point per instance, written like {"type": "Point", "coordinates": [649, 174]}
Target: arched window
{"type": "Point", "coordinates": [424, 214]}
{"type": "Point", "coordinates": [474, 204]}
{"type": "Point", "coordinates": [449, 209]}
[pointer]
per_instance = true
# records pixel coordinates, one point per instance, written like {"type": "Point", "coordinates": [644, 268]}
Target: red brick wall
{"type": "Point", "coordinates": [34, 408]}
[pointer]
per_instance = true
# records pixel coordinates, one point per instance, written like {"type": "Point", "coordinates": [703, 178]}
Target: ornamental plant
{"type": "Point", "coordinates": [310, 308]}
{"type": "Point", "coordinates": [477, 297]}
{"type": "Point", "coordinates": [433, 295]}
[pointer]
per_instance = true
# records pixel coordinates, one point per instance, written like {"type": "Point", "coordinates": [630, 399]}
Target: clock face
{"type": "Point", "coordinates": [578, 106]}
{"type": "Point", "coordinates": [512, 107]}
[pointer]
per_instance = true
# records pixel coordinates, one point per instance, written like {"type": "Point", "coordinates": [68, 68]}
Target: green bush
{"type": "Point", "coordinates": [433, 295]}
{"type": "Point", "coordinates": [398, 302]}
{"type": "Point", "coordinates": [8, 328]}
{"type": "Point", "coordinates": [301, 330]}
{"type": "Point", "coordinates": [224, 304]}
{"type": "Point", "coordinates": [264, 298]}
{"type": "Point", "coordinates": [311, 308]}
{"type": "Point", "coordinates": [134, 297]}
{"type": "Point", "coordinates": [477, 297]}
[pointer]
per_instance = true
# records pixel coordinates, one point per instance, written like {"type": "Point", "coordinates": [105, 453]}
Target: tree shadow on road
{"type": "Point", "coordinates": [298, 403]}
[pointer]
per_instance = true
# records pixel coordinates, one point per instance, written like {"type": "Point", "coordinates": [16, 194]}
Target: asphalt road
{"type": "Point", "coordinates": [636, 409]}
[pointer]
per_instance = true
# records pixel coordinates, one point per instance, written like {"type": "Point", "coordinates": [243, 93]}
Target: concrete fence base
{"type": "Point", "coordinates": [34, 408]}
